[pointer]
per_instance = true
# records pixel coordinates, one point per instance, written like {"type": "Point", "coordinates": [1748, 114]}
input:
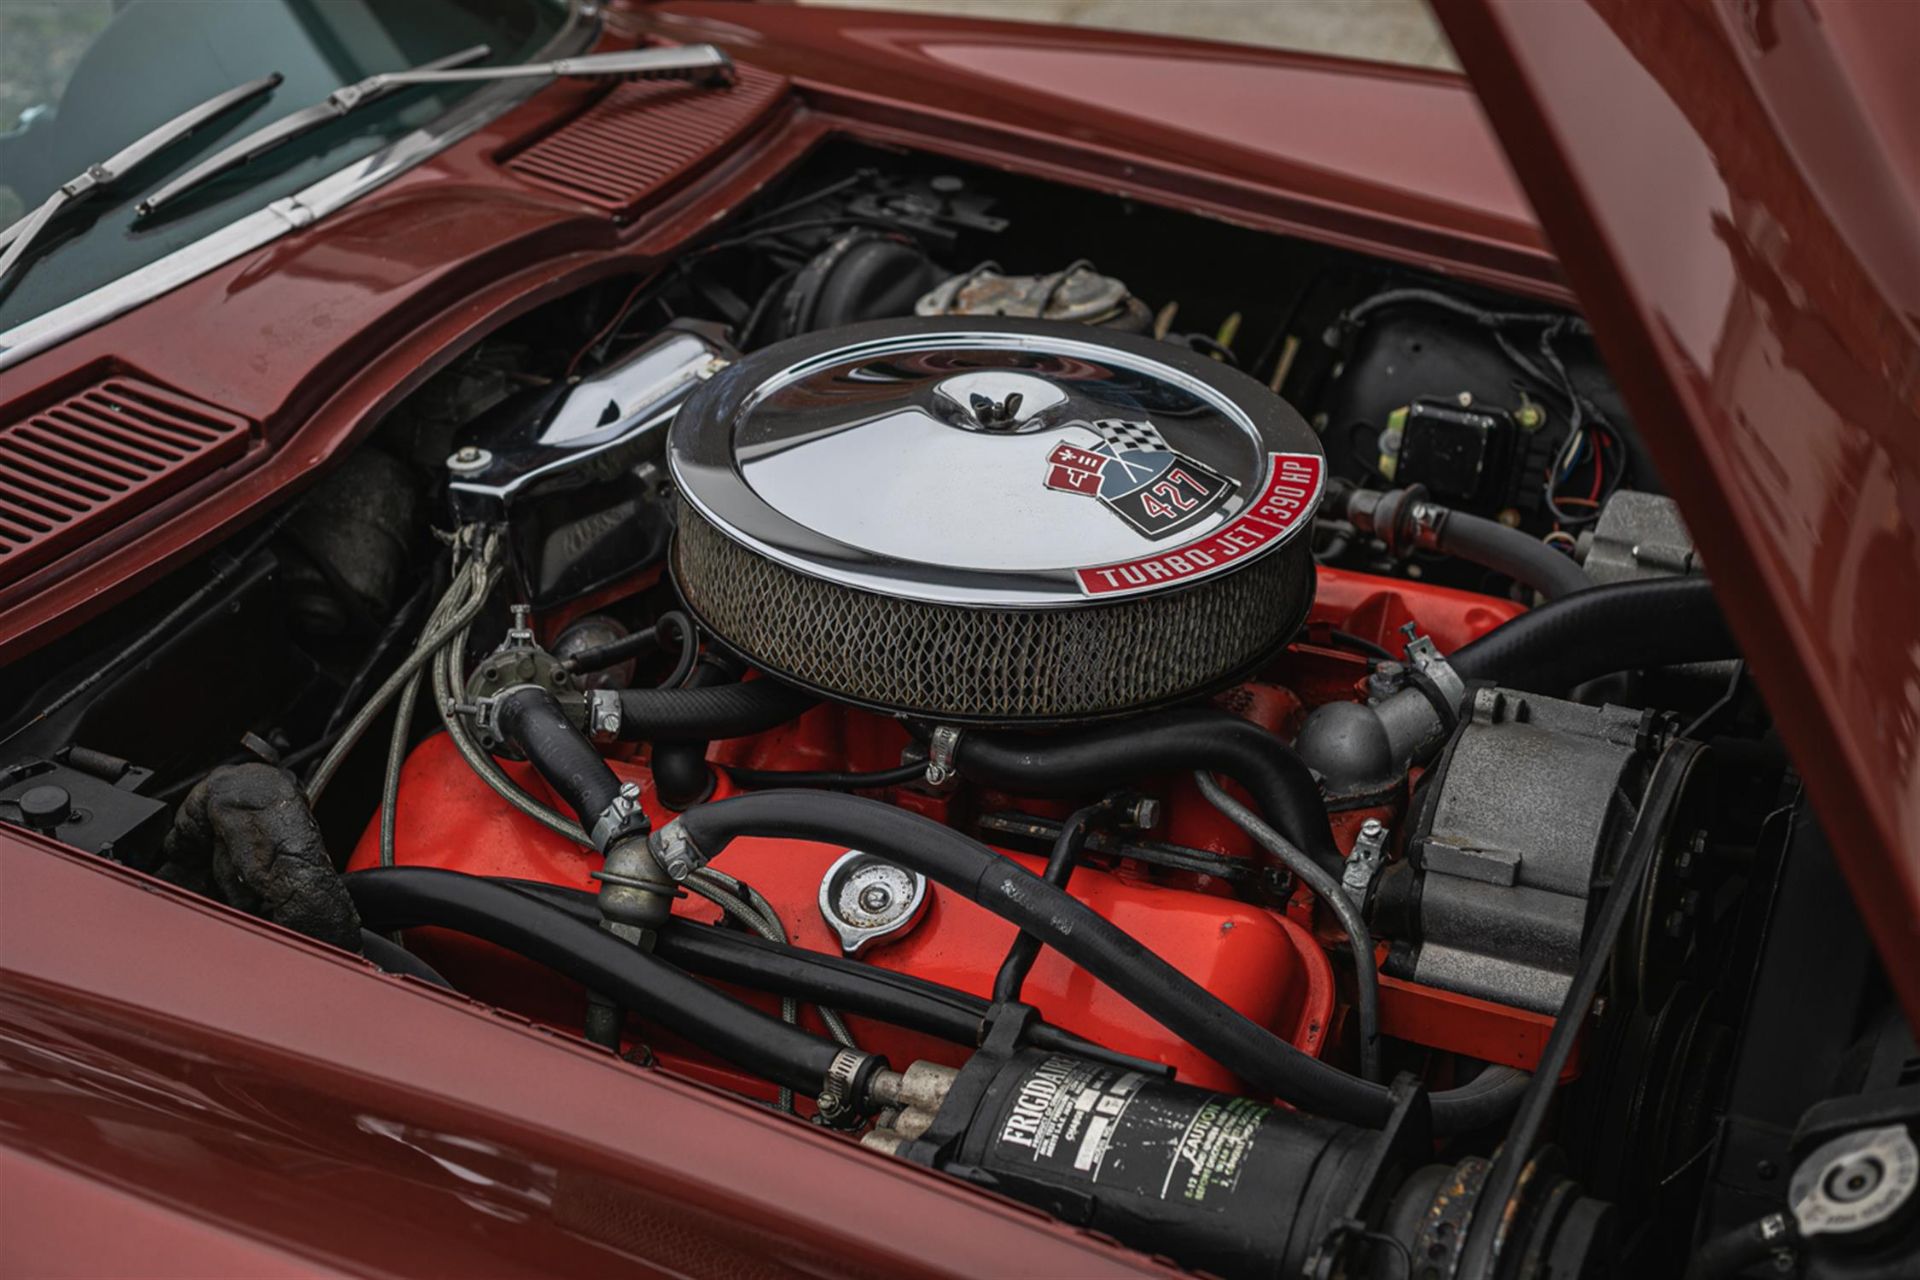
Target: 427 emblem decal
{"type": "Point", "coordinates": [1134, 473]}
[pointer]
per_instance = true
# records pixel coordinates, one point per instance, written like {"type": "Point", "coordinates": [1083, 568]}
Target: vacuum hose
{"type": "Point", "coordinates": [1407, 520]}
{"type": "Point", "coordinates": [1505, 550]}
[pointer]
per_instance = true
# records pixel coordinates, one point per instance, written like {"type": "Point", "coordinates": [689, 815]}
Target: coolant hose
{"type": "Point", "coordinates": [1283, 788]}
{"type": "Point", "coordinates": [1068, 925]}
{"type": "Point", "coordinates": [1659, 622]}
{"type": "Point", "coordinates": [409, 897]}
{"type": "Point", "coordinates": [1508, 551]}
{"type": "Point", "coordinates": [530, 718]}
{"type": "Point", "coordinates": [681, 722]}
{"type": "Point", "coordinates": [681, 775]}
{"type": "Point", "coordinates": [850, 986]}
{"type": "Point", "coordinates": [736, 710]}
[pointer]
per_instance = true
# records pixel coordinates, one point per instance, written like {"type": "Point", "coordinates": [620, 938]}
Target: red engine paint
{"type": "Point", "coordinates": [1376, 608]}
{"type": "Point", "coordinates": [1262, 964]}
{"type": "Point", "coordinates": [1272, 966]}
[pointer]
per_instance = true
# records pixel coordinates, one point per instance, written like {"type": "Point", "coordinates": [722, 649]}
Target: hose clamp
{"type": "Point", "coordinates": [942, 747]}
{"type": "Point", "coordinates": [675, 851]}
{"type": "Point", "coordinates": [603, 715]}
{"type": "Point", "coordinates": [622, 817]}
{"type": "Point", "coordinates": [838, 1099]}
{"type": "Point", "coordinates": [482, 711]}
{"type": "Point", "coordinates": [1423, 522]}
{"type": "Point", "coordinates": [1364, 863]}
{"type": "Point", "coordinates": [1403, 519]}
{"type": "Point", "coordinates": [1434, 676]}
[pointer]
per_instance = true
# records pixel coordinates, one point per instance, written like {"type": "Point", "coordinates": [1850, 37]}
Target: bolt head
{"type": "Point", "coordinates": [469, 459]}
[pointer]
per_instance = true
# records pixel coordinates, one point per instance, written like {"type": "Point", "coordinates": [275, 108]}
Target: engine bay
{"type": "Point", "coordinates": [1216, 738]}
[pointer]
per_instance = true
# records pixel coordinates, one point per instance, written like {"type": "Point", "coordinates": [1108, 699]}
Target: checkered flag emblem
{"type": "Point", "coordinates": [1130, 437]}
{"type": "Point", "coordinates": [1135, 474]}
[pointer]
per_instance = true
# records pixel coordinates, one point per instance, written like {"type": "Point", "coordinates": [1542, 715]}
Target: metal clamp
{"type": "Point", "coordinates": [623, 816]}
{"type": "Point", "coordinates": [603, 715]}
{"type": "Point", "coordinates": [483, 710]}
{"type": "Point", "coordinates": [674, 850]}
{"type": "Point", "coordinates": [519, 635]}
{"type": "Point", "coordinates": [941, 749]}
{"type": "Point", "coordinates": [1364, 863]}
{"type": "Point", "coordinates": [838, 1106]}
{"type": "Point", "coordinates": [1435, 675]}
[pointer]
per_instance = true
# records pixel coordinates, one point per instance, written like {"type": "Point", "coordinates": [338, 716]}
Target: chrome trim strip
{"type": "Point", "coordinates": [291, 213]}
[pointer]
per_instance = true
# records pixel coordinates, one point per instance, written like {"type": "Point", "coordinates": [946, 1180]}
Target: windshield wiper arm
{"type": "Point", "coordinates": [17, 237]}
{"type": "Point", "coordinates": [702, 62]}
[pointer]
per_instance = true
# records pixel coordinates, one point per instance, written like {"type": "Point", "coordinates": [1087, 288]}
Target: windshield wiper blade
{"type": "Point", "coordinates": [99, 176]}
{"type": "Point", "coordinates": [701, 62]}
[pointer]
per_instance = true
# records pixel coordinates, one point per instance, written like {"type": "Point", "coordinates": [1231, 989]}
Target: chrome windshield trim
{"type": "Point", "coordinates": [301, 209]}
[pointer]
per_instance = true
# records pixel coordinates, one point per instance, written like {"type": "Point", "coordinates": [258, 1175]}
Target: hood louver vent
{"type": "Point", "coordinates": [645, 136]}
{"type": "Point", "coordinates": [89, 462]}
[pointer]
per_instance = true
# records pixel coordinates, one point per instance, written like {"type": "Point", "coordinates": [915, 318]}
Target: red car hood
{"type": "Point", "coordinates": [1732, 190]}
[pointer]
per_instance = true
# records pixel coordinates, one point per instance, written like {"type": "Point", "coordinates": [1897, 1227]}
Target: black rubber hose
{"type": "Point", "coordinates": [850, 986]}
{"type": "Point", "coordinates": [1508, 551]}
{"type": "Point", "coordinates": [681, 775]}
{"type": "Point", "coordinates": [1069, 926]}
{"type": "Point", "coordinates": [703, 714]}
{"type": "Point", "coordinates": [394, 958]}
{"type": "Point", "coordinates": [600, 657]}
{"type": "Point", "coordinates": [409, 897]}
{"type": "Point", "coordinates": [1482, 1102]}
{"type": "Point", "coordinates": [1623, 626]}
{"type": "Point", "coordinates": [1283, 788]}
{"type": "Point", "coordinates": [749, 961]}
{"type": "Point", "coordinates": [829, 780]}
{"type": "Point", "coordinates": [1732, 1252]}
{"type": "Point", "coordinates": [1061, 861]}
{"type": "Point", "coordinates": [533, 721]}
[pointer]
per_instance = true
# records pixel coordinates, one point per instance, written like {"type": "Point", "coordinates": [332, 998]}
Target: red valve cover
{"type": "Point", "coordinates": [1259, 962]}
{"type": "Point", "coordinates": [1265, 964]}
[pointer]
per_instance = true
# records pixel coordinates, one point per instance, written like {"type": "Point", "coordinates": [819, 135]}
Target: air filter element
{"type": "Point", "coordinates": [993, 521]}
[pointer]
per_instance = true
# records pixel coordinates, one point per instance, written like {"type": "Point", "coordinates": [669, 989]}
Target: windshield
{"type": "Point", "coordinates": [79, 79]}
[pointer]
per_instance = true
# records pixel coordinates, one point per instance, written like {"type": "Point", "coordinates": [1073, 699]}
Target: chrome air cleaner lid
{"type": "Point", "coordinates": [988, 473]}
